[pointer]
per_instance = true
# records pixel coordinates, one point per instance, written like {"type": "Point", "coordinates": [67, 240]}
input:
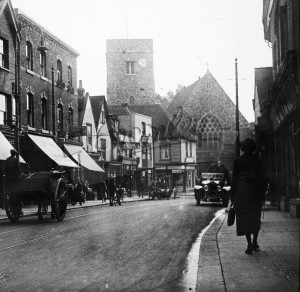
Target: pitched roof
{"type": "Point", "coordinates": [181, 97]}
{"type": "Point", "coordinates": [3, 5]}
{"type": "Point", "coordinates": [97, 102]}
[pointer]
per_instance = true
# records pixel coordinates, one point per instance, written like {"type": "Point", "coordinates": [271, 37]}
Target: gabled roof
{"type": "Point", "coordinates": [263, 79]}
{"type": "Point", "coordinates": [3, 5]}
{"type": "Point", "coordinates": [181, 97]}
{"type": "Point", "coordinates": [118, 110]}
{"type": "Point", "coordinates": [97, 103]}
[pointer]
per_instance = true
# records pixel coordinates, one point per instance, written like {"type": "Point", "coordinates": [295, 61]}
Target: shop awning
{"type": "Point", "coordinates": [79, 154]}
{"type": "Point", "coordinates": [5, 149]}
{"type": "Point", "coordinates": [51, 149]}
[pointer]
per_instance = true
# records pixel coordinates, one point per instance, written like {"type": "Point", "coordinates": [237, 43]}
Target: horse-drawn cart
{"type": "Point", "coordinates": [41, 188]}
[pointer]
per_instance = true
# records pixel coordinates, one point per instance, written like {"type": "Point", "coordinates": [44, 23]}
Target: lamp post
{"type": "Point", "coordinates": [237, 113]}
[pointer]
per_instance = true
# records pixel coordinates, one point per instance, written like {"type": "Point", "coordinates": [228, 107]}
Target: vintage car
{"type": "Point", "coordinates": [212, 187]}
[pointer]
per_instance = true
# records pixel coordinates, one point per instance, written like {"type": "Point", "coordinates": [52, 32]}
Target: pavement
{"type": "Point", "coordinates": [223, 264]}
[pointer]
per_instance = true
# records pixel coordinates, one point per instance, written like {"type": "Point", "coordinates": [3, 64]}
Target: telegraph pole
{"type": "Point", "coordinates": [237, 113]}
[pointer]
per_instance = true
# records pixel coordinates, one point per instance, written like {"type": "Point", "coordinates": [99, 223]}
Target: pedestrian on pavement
{"type": "Point", "coordinates": [140, 188]}
{"type": "Point", "coordinates": [247, 193]}
{"type": "Point", "coordinates": [112, 187]}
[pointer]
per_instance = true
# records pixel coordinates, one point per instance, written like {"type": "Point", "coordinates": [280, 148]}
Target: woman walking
{"type": "Point", "coordinates": [247, 193]}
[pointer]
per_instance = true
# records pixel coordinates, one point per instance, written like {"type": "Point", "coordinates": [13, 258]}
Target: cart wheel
{"type": "Point", "coordinates": [13, 208]}
{"type": "Point", "coordinates": [59, 204]}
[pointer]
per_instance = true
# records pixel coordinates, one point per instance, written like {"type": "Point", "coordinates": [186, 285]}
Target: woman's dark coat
{"type": "Point", "coordinates": [247, 191]}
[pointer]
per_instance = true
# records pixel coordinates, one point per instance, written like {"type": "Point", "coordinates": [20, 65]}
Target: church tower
{"type": "Point", "coordinates": [130, 74]}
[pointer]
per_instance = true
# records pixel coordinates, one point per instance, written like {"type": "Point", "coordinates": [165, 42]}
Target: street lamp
{"type": "Point", "coordinates": [237, 114]}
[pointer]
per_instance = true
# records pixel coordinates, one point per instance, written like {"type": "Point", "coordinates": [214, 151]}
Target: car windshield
{"type": "Point", "coordinates": [212, 175]}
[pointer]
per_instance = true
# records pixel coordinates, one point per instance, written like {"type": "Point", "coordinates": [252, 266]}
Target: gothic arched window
{"type": "Point", "coordinates": [209, 134]}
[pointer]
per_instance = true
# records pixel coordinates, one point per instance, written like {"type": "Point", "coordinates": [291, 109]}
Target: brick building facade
{"type": "Point", "coordinates": [39, 52]}
{"type": "Point", "coordinates": [130, 73]}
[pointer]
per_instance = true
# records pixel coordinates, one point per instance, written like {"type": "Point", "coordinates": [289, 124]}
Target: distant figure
{"type": "Point", "coordinates": [247, 192]}
{"type": "Point", "coordinates": [79, 191]}
{"type": "Point", "coordinates": [12, 168]}
{"type": "Point", "coordinates": [140, 188]}
{"type": "Point", "coordinates": [112, 188]}
{"type": "Point", "coordinates": [155, 189]}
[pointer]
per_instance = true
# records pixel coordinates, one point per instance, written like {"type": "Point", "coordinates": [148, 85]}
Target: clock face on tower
{"type": "Point", "coordinates": [142, 62]}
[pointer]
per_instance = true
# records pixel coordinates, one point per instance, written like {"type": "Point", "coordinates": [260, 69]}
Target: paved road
{"type": "Point", "coordinates": [141, 246]}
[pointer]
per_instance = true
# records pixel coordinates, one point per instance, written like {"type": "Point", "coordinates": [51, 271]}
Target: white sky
{"type": "Point", "coordinates": [187, 34]}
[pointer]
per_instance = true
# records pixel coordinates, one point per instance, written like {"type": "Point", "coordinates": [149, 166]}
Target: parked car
{"type": "Point", "coordinates": [212, 187]}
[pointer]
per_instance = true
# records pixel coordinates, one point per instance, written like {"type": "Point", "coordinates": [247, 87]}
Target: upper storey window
{"type": "Point", "coordinates": [59, 72]}
{"type": "Point", "coordinates": [29, 56]}
{"type": "Point", "coordinates": [70, 81]}
{"type": "Point", "coordinates": [3, 109]}
{"type": "Point", "coordinates": [130, 68]}
{"type": "Point", "coordinates": [4, 53]}
{"type": "Point", "coordinates": [43, 63]}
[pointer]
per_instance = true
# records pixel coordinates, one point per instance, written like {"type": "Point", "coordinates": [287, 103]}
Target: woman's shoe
{"type": "Point", "coordinates": [249, 249]}
{"type": "Point", "coordinates": [255, 247]}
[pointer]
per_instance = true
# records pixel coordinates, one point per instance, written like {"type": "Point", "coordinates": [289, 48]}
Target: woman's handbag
{"type": "Point", "coordinates": [231, 215]}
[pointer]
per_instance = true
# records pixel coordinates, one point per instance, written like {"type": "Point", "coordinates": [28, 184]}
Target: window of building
{"type": "Point", "coordinates": [3, 109]}
{"type": "Point", "coordinates": [143, 128]}
{"type": "Point", "coordinates": [102, 149]}
{"type": "Point", "coordinates": [4, 61]}
{"type": "Point", "coordinates": [129, 67]}
{"type": "Point", "coordinates": [188, 149]}
{"type": "Point", "coordinates": [165, 151]}
{"type": "Point", "coordinates": [43, 63]}
{"type": "Point", "coordinates": [89, 136]}
{"type": "Point", "coordinates": [283, 30]}
{"type": "Point", "coordinates": [29, 108]}
{"type": "Point", "coordinates": [70, 81]}
{"type": "Point", "coordinates": [60, 117]}
{"type": "Point", "coordinates": [29, 56]}
{"type": "Point", "coordinates": [209, 134]}
{"type": "Point", "coordinates": [44, 113]}
{"type": "Point", "coordinates": [208, 85]}
{"type": "Point", "coordinates": [149, 152]}
{"type": "Point", "coordinates": [70, 117]}
{"type": "Point", "coordinates": [59, 72]}
{"type": "Point", "coordinates": [102, 119]}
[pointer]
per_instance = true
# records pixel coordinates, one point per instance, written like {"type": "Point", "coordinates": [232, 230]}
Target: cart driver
{"type": "Point", "coordinates": [12, 168]}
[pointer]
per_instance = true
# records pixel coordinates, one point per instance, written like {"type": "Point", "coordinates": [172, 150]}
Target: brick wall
{"type": "Point", "coordinates": [31, 80]}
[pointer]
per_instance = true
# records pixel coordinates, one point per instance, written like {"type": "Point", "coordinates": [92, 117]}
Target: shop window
{"type": "Point", "coordinates": [44, 113]}
{"type": "Point", "coordinates": [4, 61]}
{"type": "Point", "coordinates": [29, 109]}
{"type": "Point", "coordinates": [29, 56]}
{"type": "Point", "coordinates": [149, 153]}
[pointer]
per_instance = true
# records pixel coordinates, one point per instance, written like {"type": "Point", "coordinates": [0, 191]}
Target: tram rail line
{"type": "Point", "coordinates": [54, 233]}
